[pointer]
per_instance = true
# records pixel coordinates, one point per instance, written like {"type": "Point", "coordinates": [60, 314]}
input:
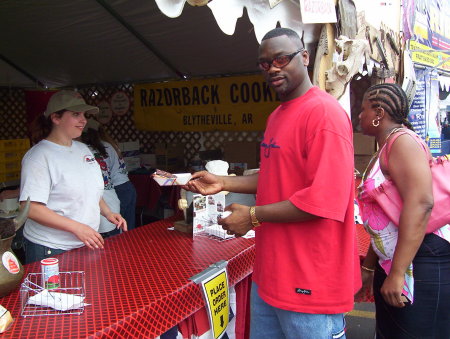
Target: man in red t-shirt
{"type": "Point", "coordinates": [306, 269]}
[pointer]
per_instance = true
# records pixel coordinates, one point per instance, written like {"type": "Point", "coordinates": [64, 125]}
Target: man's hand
{"type": "Point", "coordinates": [204, 183]}
{"type": "Point", "coordinates": [238, 222]}
{"type": "Point", "coordinates": [89, 237]}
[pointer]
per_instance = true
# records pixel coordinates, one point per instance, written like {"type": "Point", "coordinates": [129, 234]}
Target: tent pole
{"type": "Point", "coordinates": [21, 70]}
{"type": "Point", "coordinates": [137, 35]}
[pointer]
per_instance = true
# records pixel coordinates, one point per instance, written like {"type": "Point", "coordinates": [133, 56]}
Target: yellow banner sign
{"type": "Point", "coordinates": [432, 58]}
{"type": "Point", "coordinates": [215, 291]}
{"type": "Point", "coordinates": [226, 104]}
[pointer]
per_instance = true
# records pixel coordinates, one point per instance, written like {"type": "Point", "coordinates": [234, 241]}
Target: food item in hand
{"type": "Point", "coordinates": [168, 179]}
{"type": "Point", "coordinates": [162, 174]}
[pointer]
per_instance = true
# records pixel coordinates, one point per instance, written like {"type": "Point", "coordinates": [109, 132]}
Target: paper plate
{"type": "Point", "coordinates": [181, 179]}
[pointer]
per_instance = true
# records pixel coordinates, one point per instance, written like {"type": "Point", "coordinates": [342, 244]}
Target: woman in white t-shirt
{"type": "Point", "coordinates": [64, 183]}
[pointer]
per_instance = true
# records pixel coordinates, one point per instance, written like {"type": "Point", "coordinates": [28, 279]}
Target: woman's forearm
{"type": "Point", "coordinates": [371, 258]}
{"type": "Point", "coordinates": [413, 222]}
{"type": "Point", "coordinates": [104, 208]}
{"type": "Point", "coordinates": [44, 216]}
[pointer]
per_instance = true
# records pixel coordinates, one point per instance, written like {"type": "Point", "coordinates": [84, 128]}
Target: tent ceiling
{"type": "Point", "coordinates": [67, 43]}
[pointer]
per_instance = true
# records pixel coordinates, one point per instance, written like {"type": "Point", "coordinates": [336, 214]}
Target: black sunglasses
{"type": "Point", "coordinates": [279, 62]}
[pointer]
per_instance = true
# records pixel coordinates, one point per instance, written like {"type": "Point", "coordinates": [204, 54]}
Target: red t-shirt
{"type": "Point", "coordinates": [307, 158]}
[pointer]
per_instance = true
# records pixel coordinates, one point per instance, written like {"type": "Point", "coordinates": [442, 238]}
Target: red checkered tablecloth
{"type": "Point", "coordinates": [137, 286]}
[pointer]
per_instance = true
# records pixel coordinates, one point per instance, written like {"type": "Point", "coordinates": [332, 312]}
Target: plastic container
{"type": "Point", "coordinates": [50, 273]}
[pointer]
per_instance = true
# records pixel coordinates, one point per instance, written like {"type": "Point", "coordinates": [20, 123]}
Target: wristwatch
{"type": "Point", "coordinates": [255, 221]}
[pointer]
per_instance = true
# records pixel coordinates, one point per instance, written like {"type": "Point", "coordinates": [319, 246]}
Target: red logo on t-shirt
{"type": "Point", "coordinates": [89, 159]}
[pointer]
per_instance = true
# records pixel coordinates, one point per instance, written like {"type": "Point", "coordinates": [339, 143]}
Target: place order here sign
{"type": "Point", "coordinates": [227, 104]}
{"type": "Point", "coordinates": [216, 294]}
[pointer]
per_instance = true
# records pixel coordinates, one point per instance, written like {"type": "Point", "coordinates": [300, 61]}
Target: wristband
{"type": "Point", "coordinates": [255, 221]}
{"type": "Point", "coordinates": [367, 269]}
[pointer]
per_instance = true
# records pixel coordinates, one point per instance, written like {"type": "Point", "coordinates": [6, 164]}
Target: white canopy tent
{"type": "Point", "coordinates": [51, 43]}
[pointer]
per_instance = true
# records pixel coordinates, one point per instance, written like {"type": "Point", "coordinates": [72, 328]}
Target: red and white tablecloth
{"type": "Point", "coordinates": [138, 285]}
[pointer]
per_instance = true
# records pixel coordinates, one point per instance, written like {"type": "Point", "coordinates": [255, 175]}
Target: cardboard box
{"type": "Point", "coordinates": [169, 150]}
{"type": "Point", "coordinates": [363, 144]}
{"type": "Point", "coordinates": [170, 157]}
{"type": "Point", "coordinates": [242, 152]}
{"type": "Point", "coordinates": [132, 163]}
{"type": "Point", "coordinates": [361, 162]}
{"type": "Point", "coordinates": [237, 167]}
{"type": "Point", "coordinates": [129, 148]}
{"type": "Point", "coordinates": [175, 150]}
{"type": "Point", "coordinates": [160, 148]}
{"type": "Point", "coordinates": [148, 160]}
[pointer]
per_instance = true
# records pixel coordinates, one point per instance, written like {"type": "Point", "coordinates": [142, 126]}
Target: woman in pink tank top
{"type": "Point", "coordinates": [408, 270]}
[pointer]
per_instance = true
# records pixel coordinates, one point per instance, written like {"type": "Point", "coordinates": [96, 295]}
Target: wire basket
{"type": "Point", "coordinates": [71, 292]}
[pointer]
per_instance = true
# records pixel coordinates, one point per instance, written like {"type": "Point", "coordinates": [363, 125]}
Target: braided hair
{"type": "Point", "coordinates": [392, 99]}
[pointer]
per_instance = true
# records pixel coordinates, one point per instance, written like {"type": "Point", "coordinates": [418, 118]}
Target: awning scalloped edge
{"type": "Point", "coordinates": [227, 12]}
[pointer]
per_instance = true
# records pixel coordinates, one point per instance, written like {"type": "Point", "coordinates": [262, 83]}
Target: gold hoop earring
{"type": "Point", "coordinates": [375, 123]}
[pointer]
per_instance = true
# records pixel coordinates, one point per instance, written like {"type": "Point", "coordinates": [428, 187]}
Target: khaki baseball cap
{"type": "Point", "coordinates": [68, 100]}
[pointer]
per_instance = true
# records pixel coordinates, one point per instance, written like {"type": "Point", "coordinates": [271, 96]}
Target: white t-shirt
{"type": "Point", "coordinates": [68, 181]}
{"type": "Point", "coordinates": [113, 203]}
{"type": "Point", "coordinates": [116, 165]}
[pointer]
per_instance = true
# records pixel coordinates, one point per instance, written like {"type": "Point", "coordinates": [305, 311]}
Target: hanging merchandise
{"type": "Point", "coordinates": [418, 106]}
{"type": "Point", "coordinates": [409, 77]}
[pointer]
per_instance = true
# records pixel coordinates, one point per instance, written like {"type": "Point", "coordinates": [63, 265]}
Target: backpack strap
{"type": "Point", "coordinates": [395, 135]}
